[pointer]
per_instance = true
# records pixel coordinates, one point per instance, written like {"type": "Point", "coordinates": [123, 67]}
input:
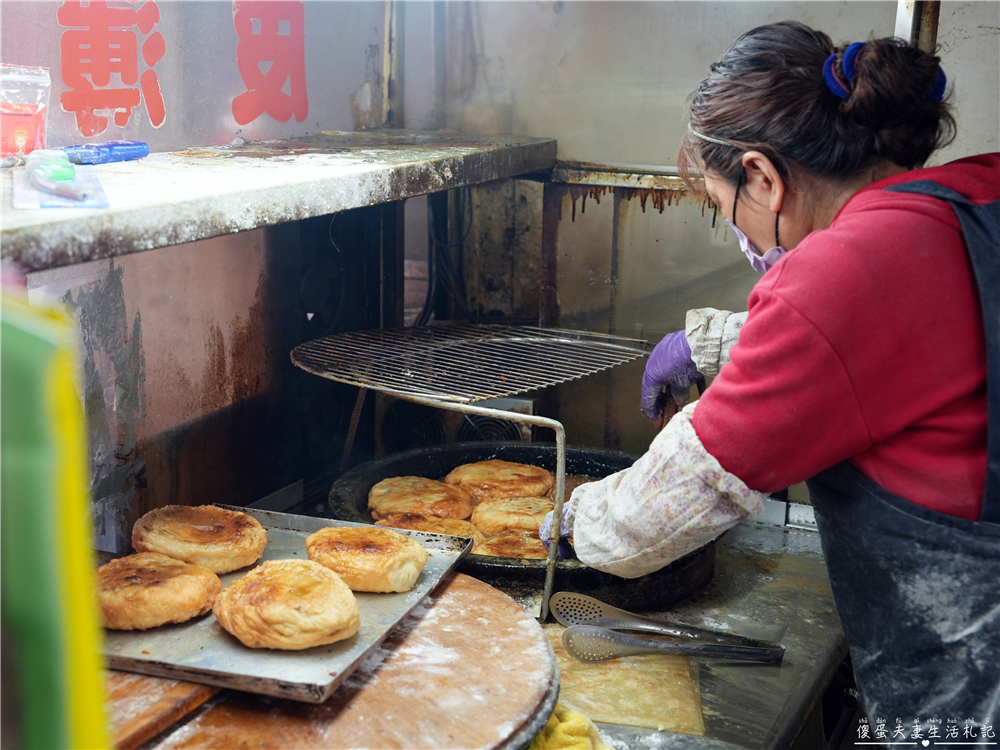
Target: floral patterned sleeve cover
{"type": "Point", "coordinates": [711, 334]}
{"type": "Point", "coordinates": [673, 500]}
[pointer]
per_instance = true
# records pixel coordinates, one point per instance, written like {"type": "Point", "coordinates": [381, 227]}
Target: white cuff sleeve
{"type": "Point", "coordinates": [673, 500]}
{"type": "Point", "coordinates": [711, 334]}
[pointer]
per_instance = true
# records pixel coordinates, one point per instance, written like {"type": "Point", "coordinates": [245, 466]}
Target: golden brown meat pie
{"type": "Point", "coordinates": [147, 589]}
{"type": "Point", "coordinates": [513, 515]}
{"type": "Point", "coordinates": [495, 479]}
{"type": "Point", "coordinates": [433, 524]}
{"type": "Point", "coordinates": [368, 558]}
{"type": "Point", "coordinates": [289, 605]}
{"type": "Point", "coordinates": [513, 545]}
{"type": "Point", "coordinates": [222, 540]}
{"type": "Point", "coordinates": [418, 495]}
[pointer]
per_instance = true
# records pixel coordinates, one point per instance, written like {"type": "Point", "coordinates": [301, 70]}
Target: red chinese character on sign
{"type": "Point", "coordinates": [272, 61]}
{"type": "Point", "coordinates": [101, 42]}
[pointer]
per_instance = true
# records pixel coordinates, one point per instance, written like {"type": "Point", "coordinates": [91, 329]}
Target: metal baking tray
{"type": "Point", "coordinates": [201, 651]}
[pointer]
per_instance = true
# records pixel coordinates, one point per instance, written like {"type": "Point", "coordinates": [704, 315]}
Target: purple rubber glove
{"type": "Point", "coordinates": [671, 365]}
{"type": "Point", "coordinates": [545, 531]}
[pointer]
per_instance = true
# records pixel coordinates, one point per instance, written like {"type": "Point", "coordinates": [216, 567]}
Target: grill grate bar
{"type": "Point", "coordinates": [463, 363]}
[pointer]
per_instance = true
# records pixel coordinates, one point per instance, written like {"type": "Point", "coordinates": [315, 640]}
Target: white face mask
{"type": "Point", "coordinates": [761, 262]}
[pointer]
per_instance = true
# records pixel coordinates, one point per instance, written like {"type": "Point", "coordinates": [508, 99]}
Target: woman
{"type": "Point", "coordinates": [861, 367]}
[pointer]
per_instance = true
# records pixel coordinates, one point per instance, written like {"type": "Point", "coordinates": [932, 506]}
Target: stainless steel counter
{"type": "Point", "coordinates": [770, 582]}
{"type": "Point", "coordinates": [171, 198]}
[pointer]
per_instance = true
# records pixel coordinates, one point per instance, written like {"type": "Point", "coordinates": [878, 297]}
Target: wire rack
{"type": "Point", "coordinates": [463, 363]}
{"type": "Point", "coordinates": [454, 366]}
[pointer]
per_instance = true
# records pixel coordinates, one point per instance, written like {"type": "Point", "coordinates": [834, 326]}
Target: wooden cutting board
{"type": "Point", "coordinates": [140, 706]}
{"type": "Point", "coordinates": [468, 668]}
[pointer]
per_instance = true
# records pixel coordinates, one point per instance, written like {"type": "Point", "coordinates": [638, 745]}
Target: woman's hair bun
{"type": "Point", "coordinates": [895, 96]}
{"type": "Point", "coordinates": [782, 89]}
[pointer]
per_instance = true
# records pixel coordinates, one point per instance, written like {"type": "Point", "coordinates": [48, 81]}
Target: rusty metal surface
{"type": "Point", "coordinates": [170, 198]}
{"type": "Point", "coordinates": [201, 651]}
{"type": "Point", "coordinates": [923, 33]}
{"type": "Point", "coordinates": [636, 176]}
{"type": "Point", "coordinates": [549, 305]}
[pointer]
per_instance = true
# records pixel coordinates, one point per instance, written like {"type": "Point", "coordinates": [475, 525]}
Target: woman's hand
{"type": "Point", "coordinates": [545, 530]}
{"type": "Point", "coordinates": [670, 364]}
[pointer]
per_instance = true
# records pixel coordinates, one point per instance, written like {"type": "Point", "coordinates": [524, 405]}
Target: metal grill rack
{"type": "Point", "coordinates": [462, 364]}
{"type": "Point", "coordinates": [454, 366]}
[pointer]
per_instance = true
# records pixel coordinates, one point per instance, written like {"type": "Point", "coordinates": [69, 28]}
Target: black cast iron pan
{"type": "Point", "coordinates": [682, 579]}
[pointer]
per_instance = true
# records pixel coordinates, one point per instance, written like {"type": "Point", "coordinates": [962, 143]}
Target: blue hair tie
{"type": "Point", "coordinates": [937, 93]}
{"type": "Point", "coordinates": [849, 56]}
{"type": "Point", "coordinates": [833, 81]}
{"type": "Point", "coordinates": [839, 87]}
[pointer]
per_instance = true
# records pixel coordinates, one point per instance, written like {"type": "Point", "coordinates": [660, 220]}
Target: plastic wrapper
{"type": "Point", "coordinates": [24, 105]}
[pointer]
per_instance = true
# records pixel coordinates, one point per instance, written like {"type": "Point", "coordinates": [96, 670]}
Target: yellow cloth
{"type": "Point", "coordinates": [568, 730]}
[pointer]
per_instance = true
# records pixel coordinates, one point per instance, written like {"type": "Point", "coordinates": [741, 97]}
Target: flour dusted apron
{"type": "Point", "coordinates": [917, 591]}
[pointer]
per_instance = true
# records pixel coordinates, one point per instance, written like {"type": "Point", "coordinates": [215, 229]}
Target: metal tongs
{"type": "Point", "coordinates": [591, 634]}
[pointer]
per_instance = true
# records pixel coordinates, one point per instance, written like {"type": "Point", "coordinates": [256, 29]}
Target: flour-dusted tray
{"type": "Point", "coordinates": [201, 651]}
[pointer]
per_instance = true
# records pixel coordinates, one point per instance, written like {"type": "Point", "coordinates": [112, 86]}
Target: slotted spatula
{"type": "Point", "coordinates": [588, 643]}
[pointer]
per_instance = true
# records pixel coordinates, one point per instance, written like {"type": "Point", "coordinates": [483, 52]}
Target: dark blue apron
{"type": "Point", "coordinates": [917, 591]}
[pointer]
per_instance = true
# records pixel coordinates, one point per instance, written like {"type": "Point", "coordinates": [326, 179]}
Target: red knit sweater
{"type": "Point", "coordinates": [866, 343]}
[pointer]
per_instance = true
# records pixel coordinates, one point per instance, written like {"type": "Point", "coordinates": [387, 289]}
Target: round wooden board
{"type": "Point", "coordinates": [468, 668]}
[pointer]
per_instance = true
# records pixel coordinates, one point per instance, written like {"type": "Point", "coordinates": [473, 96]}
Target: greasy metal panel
{"type": "Point", "coordinates": [190, 395]}
{"type": "Point", "coordinates": [584, 256]}
{"type": "Point", "coordinates": [667, 262]}
{"type": "Point", "coordinates": [112, 385]}
{"type": "Point", "coordinates": [204, 321]}
{"type": "Point", "coordinates": [171, 198]}
{"type": "Point", "coordinates": [550, 312]}
{"type": "Point", "coordinates": [198, 73]}
{"type": "Point", "coordinates": [167, 340]}
{"type": "Point", "coordinates": [199, 650]}
{"type": "Point", "coordinates": [503, 250]}
{"type": "Point", "coordinates": [527, 252]}
{"type": "Point", "coordinates": [586, 406]}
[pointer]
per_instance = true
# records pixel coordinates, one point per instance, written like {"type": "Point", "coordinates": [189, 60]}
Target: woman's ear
{"type": "Point", "coordinates": [763, 181]}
